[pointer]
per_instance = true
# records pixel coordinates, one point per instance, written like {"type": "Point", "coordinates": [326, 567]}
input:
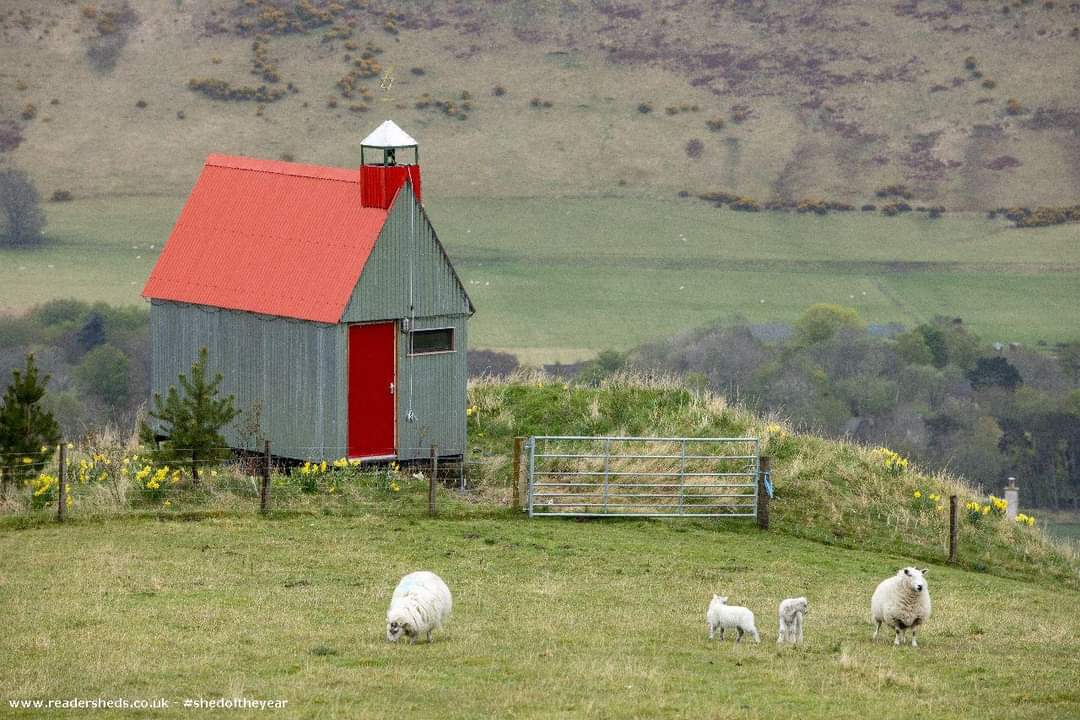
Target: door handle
{"type": "Point", "coordinates": [391, 388]}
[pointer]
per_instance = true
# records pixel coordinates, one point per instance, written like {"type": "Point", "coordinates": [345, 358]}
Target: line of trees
{"type": "Point", "coordinates": [936, 392]}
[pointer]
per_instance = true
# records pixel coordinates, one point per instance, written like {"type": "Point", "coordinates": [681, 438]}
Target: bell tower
{"type": "Point", "coordinates": [385, 166]}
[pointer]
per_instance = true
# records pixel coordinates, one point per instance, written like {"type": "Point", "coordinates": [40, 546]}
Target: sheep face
{"type": "Point", "coordinates": [396, 629]}
{"type": "Point", "coordinates": [913, 579]}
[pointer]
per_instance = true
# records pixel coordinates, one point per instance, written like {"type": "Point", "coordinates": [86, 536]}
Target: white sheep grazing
{"type": "Point", "coordinates": [725, 617]}
{"type": "Point", "coordinates": [902, 602]}
{"type": "Point", "coordinates": [791, 619]}
{"type": "Point", "coordinates": [421, 603]}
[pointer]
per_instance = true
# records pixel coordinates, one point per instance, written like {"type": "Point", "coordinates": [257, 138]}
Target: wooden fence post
{"type": "Point", "coordinates": [61, 480]}
{"type": "Point", "coordinates": [264, 490]}
{"type": "Point", "coordinates": [954, 528]}
{"type": "Point", "coordinates": [431, 480]}
{"type": "Point", "coordinates": [516, 477]}
{"type": "Point", "coordinates": [763, 495]}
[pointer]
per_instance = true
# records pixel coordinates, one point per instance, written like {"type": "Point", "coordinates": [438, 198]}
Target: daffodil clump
{"type": "Point", "coordinates": [155, 483]}
{"type": "Point", "coordinates": [976, 512]}
{"type": "Point", "coordinates": [893, 463]}
{"type": "Point", "coordinates": [43, 490]}
{"type": "Point", "coordinates": [926, 502]}
{"type": "Point", "coordinates": [1023, 519]}
{"type": "Point", "coordinates": [998, 506]}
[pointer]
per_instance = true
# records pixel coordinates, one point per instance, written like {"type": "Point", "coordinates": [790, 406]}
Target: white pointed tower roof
{"type": "Point", "coordinates": [389, 135]}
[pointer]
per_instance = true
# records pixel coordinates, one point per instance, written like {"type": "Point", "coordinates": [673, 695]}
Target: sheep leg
{"type": "Point", "coordinates": [754, 634]}
{"type": "Point", "coordinates": [429, 636]}
{"type": "Point", "coordinates": [913, 643]}
{"type": "Point", "coordinates": [798, 627]}
{"type": "Point", "coordinates": [898, 633]}
{"type": "Point", "coordinates": [739, 638]}
{"type": "Point", "coordinates": [721, 634]}
{"type": "Point", "coordinates": [712, 632]}
{"type": "Point", "coordinates": [877, 630]}
{"type": "Point", "coordinates": [780, 637]}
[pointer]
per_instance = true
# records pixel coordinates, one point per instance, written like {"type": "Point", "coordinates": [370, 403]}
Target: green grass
{"type": "Point", "coordinates": [551, 619]}
{"type": "Point", "coordinates": [562, 278]}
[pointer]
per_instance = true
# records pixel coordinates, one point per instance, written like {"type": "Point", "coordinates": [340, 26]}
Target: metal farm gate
{"type": "Point", "coordinates": [638, 476]}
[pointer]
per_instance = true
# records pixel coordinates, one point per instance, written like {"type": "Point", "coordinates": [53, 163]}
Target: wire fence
{"type": "Point", "coordinates": [71, 481]}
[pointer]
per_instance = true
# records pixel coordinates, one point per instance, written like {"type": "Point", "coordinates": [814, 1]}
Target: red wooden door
{"type": "Point", "coordinates": [371, 390]}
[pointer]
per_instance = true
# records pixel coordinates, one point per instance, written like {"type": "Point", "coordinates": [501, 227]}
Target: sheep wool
{"type": "Point", "coordinates": [901, 602]}
{"type": "Point", "coordinates": [791, 613]}
{"type": "Point", "coordinates": [421, 604]}
{"type": "Point", "coordinates": [722, 616]}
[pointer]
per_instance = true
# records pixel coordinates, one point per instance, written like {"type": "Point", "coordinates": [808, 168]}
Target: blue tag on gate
{"type": "Point", "coordinates": [768, 484]}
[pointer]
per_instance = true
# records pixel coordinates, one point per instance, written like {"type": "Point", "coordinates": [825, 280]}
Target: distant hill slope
{"type": "Point", "coordinates": [815, 98]}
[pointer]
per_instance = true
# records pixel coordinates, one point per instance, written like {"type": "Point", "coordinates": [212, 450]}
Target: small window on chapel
{"type": "Point", "coordinates": [424, 342]}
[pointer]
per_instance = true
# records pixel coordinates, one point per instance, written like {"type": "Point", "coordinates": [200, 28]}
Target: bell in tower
{"type": "Point", "coordinates": [381, 172]}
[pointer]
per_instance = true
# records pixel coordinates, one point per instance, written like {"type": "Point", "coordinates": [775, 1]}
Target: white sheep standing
{"type": "Point", "coordinates": [902, 602]}
{"type": "Point", "coordinates": [725, 617]}
{"type": "Point", "coordinates": [791, 613]}
{"type": "Point", "coordinates": [421, 604]}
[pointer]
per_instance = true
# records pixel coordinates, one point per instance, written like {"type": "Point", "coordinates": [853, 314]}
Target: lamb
{"type": "Point", "coordinates": [421, 603]}
{"type": "Point", "coordinates": [791, 619]}
{"type": "Point", "coordinates": [902, 602]}
{"type": "Point", "coordinates": [724, 616]}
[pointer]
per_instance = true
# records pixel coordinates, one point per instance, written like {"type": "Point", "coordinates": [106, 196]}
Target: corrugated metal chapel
{"type": "Point", "coordinates": [326, 301]}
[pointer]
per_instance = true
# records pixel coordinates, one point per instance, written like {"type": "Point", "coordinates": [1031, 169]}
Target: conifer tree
{"type": "Point", "coordinates": [191, 421]}
{"type": "Point", "coordinates": [27, 430]}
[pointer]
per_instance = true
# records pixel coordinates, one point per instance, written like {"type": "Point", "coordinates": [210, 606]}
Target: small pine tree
{"type": "Point", "coordinates": [192, 422]}
{"type": "Point", "coordinates": [27, 431]}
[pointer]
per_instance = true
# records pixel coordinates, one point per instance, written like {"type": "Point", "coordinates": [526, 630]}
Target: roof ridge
{"type": "Point", "coordinates": [282, 167]}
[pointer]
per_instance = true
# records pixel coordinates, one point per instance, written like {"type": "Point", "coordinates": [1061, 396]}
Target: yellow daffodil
{"type": "Point", "coordinates": [918, 494]}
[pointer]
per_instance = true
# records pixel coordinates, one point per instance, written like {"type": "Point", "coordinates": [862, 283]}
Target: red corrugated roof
{"type": "Point", "coordinates": [269, 237]}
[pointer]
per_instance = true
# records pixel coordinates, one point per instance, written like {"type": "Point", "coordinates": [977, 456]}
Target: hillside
{"type": "Point", "coordinates": [551, 618]}
{"type": "Point", "coordinates": [785, 100]}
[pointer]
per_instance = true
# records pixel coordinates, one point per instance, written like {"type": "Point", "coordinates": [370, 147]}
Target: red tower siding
{"type": "Point", "coordinates": [379, 183]}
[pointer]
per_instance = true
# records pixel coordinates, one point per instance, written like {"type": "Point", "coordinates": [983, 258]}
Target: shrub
{"type": "Point", "coordinates": [222, 90]}
{"type": "Point", "coordinates": [29, 111]}
{"type": "Point", "coordinates": [989, 84]}
{"type": "Point", "coordinates": [418, 71]}
{"type": "Point", "coordinates": [745, 204]}
{"type": "Point", "coordinates": [895, 208]}
{"type": "Point", "coordinates": [10, 136]}
{"type": "Point", "coordinates": [694, 148]}
{"type": "Point", "coordinates": [1013, 107]}
{"type": "Point", "coordinates": [113, 27]}
{"type": "Point", "coordinates": [61, 196]}
{"type": "Point", "coordinates": [814, 205]}
{"type": "Point", "coordinates": [740, 113]}
{"type": "Point", "coordinates": [498, 91]}
{"type": "Point", "coordinates": [20, 204]}
{"type": "Point", "coordinates": [969, 62]}
{"type": "Point", "coordinates": [900, 191]}
{"type": "Point", "coordinates": [140, 104]}
{"type": "Point", "coordinates": [716, 124]}
{"type": "Point", "coordinates": [869, 207]}
{"type": "Point", "coordinates": [104, 373]}
{"type": "Point", "coordinates": [645, 108]}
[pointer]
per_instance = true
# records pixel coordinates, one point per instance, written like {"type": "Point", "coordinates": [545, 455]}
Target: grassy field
{"type": "Point", "coordinates": [551, 619]}
{"type": "Point", "coordinates": [557, 279]}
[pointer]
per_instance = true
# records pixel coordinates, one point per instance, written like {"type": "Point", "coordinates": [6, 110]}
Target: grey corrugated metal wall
{"type": "Point", "coordinates": [289, 372]}
{"type": "Point", "coordinates": [296, 370]}
{"type": "Point", "coordinates": [436, 394]}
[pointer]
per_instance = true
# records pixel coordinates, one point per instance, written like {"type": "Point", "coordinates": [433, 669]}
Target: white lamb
{"type": "Point", "coordinates": [791, 619]}
{"type": "Point", "coordinates": [902, 602]}
{"type": "Point", "coordinates": [725, 617]}
{"type": "Point", "coordinates": [421, 604]}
